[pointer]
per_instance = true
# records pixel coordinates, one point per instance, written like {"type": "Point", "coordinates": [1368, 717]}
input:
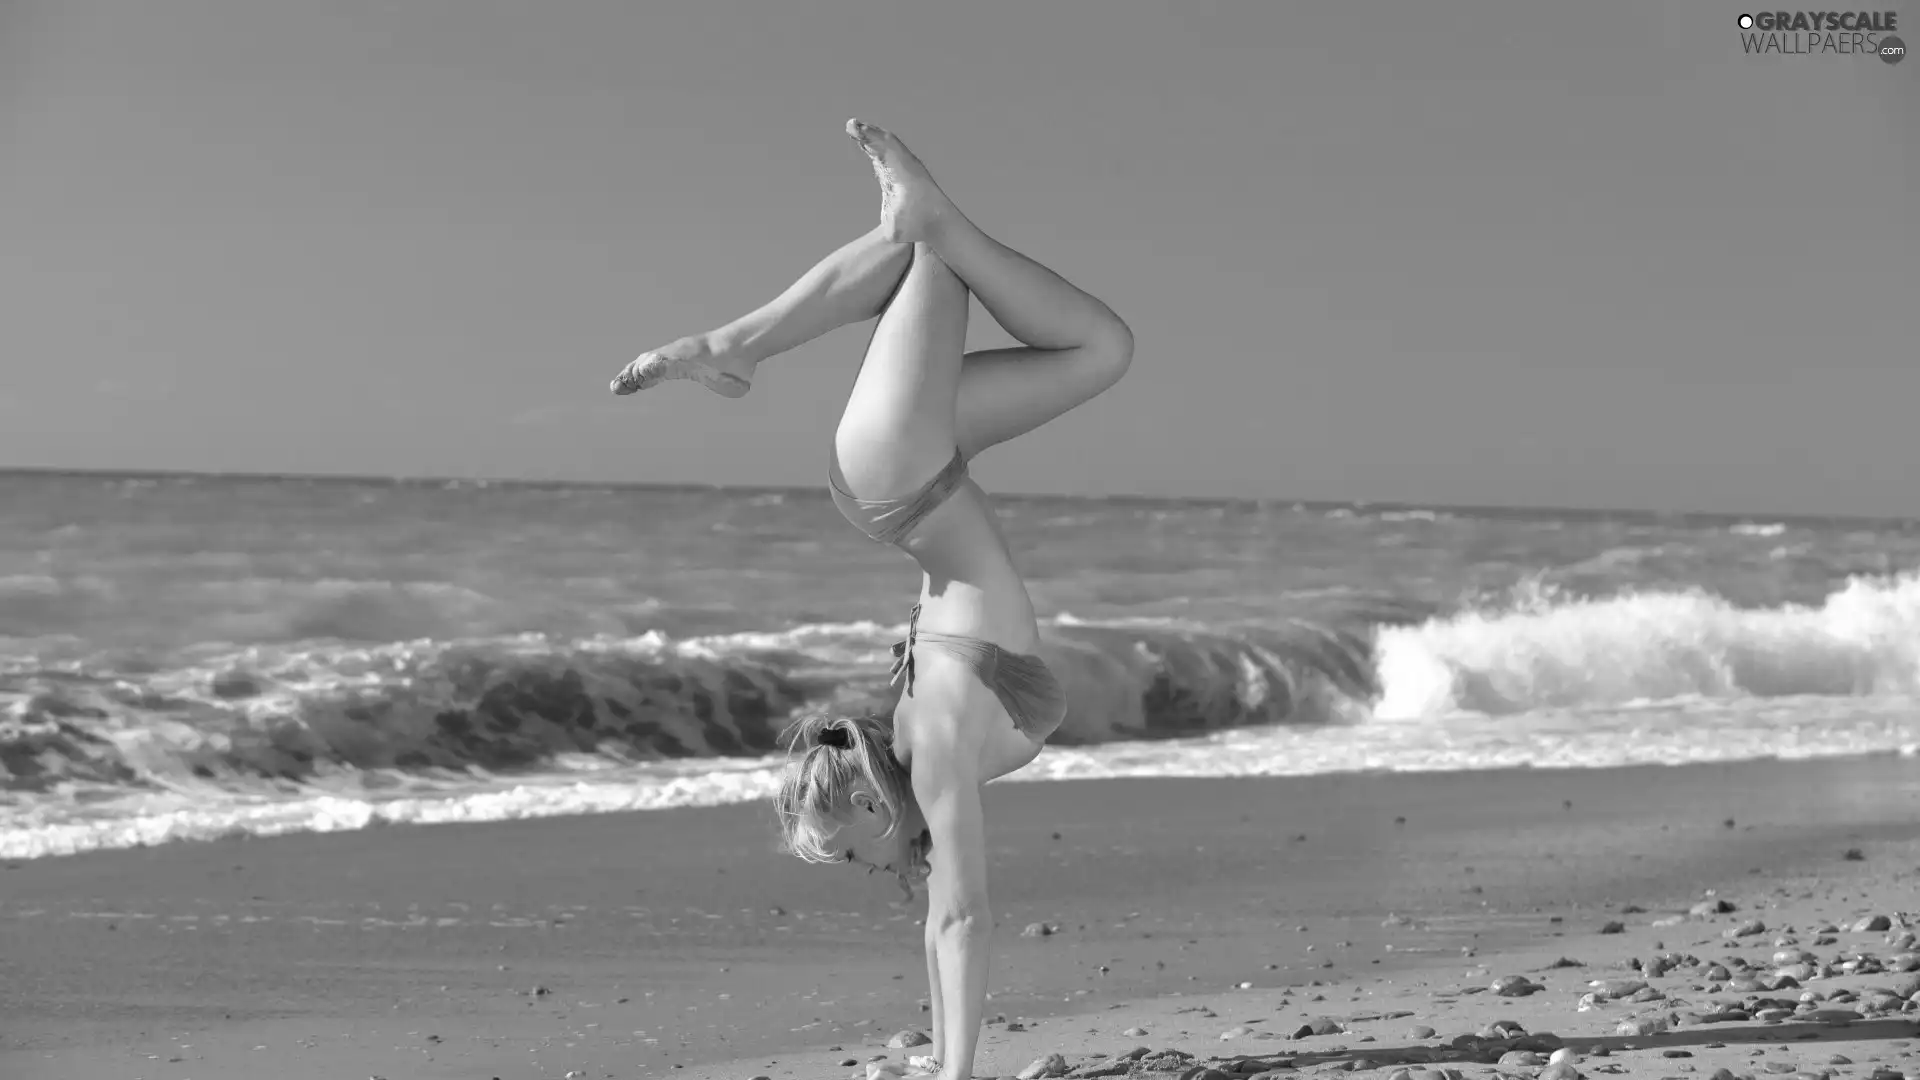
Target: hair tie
{"type": "Point", "coordinates": [834, 736]}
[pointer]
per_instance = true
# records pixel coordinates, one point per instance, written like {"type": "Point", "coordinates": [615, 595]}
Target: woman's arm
{"type": "Point", "coordinates": [959, 922]}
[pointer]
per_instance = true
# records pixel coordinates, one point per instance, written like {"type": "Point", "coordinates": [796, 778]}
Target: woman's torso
{"type": "Point", "coordinates": [971, 588]}
{"type": "Point", "coordinates": [951, 708]}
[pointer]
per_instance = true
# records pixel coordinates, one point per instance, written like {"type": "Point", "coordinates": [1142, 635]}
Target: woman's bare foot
{"type": "Point", "coordinates": [911, 204]}
{"type": "Point", "coordinates": [688, 358]}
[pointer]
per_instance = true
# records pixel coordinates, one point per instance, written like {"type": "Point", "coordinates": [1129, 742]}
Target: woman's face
{"type": "Point", "coordinates": [862, 841]}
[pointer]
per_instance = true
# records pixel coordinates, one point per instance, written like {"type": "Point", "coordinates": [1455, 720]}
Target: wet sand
{"type": "Point", "coordinates": [679, 943]}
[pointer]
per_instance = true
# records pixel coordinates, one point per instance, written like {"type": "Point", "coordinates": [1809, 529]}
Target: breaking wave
{"type": "Point", "coordinates": [230, 739]}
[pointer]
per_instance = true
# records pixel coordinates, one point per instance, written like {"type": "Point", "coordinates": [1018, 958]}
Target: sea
{"type": "Point", "coordinates": [190, 657]}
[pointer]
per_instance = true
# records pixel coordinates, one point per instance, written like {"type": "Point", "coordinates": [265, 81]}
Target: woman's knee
{"type": "Point", "coordinates": [1111, 350]}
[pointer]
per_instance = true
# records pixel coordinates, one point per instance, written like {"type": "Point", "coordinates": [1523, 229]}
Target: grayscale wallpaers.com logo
{"type": "Point", "coordinates": [1848, 33]}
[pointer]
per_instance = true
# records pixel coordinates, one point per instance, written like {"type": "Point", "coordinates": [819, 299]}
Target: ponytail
{"type": "Point", "coordinates": [836, 756]}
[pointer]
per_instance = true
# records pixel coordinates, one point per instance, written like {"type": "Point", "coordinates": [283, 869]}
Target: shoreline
{"type": "Point", "coordinates": [425, 950]}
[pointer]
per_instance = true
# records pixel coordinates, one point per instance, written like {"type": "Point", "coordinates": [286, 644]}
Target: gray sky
{"type": "Point", "coordinates": [1472, 252]}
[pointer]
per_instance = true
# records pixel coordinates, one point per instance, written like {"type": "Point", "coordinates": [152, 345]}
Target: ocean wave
{"type": "Point", "coordinates": [1546, 653]}
{"type": "Point", "coordinates": [299, 714]}
{"type": "Point", "coordinates": [267, 723]}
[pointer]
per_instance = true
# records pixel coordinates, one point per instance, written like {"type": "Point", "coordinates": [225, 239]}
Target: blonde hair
{"type": "Point", "coordinates": [841, 755]}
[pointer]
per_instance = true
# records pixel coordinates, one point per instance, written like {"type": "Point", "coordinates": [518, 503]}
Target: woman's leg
{"type": "Point", "coordinates": [1076, 345]}
{"type": "Point", "coordinates": [898, 428]}
{"type": "Point", "coordinates": [851, 285]}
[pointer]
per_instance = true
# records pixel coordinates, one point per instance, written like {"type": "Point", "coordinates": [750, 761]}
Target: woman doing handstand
{"type": "Point", "coordinates": [976, 702]}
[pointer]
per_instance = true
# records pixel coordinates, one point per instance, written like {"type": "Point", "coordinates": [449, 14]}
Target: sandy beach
{"type": "Point", "coordinates": [1211, 922]}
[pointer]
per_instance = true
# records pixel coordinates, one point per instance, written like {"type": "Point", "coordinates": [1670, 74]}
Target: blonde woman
{"type": "Point", "coordinates": [903, 795]}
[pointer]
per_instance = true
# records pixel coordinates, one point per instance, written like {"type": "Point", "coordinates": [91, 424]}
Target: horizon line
{"type": "Point", "coordinates": [1508, 510]}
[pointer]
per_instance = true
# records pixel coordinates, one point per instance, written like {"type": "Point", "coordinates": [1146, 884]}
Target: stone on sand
{"type": "Point", "coordinates": [908, 1037]}
{"type": "Point", "coordinates": [1051, 1065]}
{"type": "Point", "coordinates": [1616, 988]}
{"type": "Point", "coordinates": [1515, 986]}
{"type": "Point", "coordinates": [1322, 1026]}
{"type": "Point", "coordinates": [1642, 1027]}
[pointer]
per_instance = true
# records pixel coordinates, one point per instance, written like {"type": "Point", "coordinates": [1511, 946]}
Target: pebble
{"type": "Point", "coordinates": [1515, 986]}
{"type": "Point", "coordinates": [1318, 1027]}
{"type": "Point", "coordinates": [1560, 1071]}
{"type": "Point", "coordinates": [1745, 929]}
{"type": "Point", "coordinates": [908, 1037]}
{"type": "Point", "coordinates": [1240, 1033]}
{"type": "Point", "coordinates": [1040, 929]}
{"type": "Point", "coordinates": [1051, 1065]}
{"type": "Point", "coordinates": [1873, 924]}
{"type": "Point", "coordinates": [1613, 928]}
{"type": "Point", "coordinates": [1421, 1032]}
{"type": "Point", "coordinates": [1501, 1029]}
{"type": "Point", "coordinates": [1642, 1027]}
{"type": "Point", "coordinates": [1519, 1057]}
{"type": "Point", "coordinates": [1563, 1056]}
{"type": "Point", "coordinates": [1134, 1032]}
